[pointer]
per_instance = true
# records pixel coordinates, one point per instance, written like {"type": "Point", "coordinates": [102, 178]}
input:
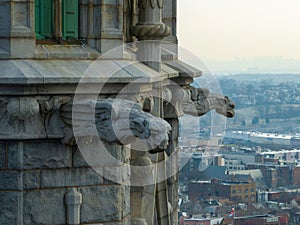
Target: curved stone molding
{"type": "Point", "coordinates": [116, 121]}
{"type": "Point", "coordinates": [202, 102]}
{"type": "Point", "coordinates": [151, 32]}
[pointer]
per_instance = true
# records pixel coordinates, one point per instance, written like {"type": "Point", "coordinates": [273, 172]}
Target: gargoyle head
{"type": "Point", "coordinates": [226, 107]}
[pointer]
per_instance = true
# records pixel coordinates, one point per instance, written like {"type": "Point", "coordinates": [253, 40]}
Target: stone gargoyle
{"type": "Point", "coordinates": [116, 121]}
{"type": "Point", "coordinates": [202, 101]}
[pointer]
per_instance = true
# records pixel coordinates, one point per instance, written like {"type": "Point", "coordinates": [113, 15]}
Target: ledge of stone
{"type": "Point", "coordinates": [184, 69]}
{"type": "Point", "coordinates": [65, 52]}
{"type": "Point", "coordinates": [58, 71]}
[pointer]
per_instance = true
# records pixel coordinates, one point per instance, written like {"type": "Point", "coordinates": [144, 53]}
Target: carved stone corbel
{"type": "Point", "coordinates": [202, 101]}
{"type": "Point", "coordinates": [20, 118]}
{"type": "Point", "coordinates": [30, 117]}
{"type": "Point", "coordinates": [174, 107]}
{"type": "Point", "coordinates": [116, 121]}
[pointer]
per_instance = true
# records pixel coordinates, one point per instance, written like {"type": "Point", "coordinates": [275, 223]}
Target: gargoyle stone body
{"type": "Point", "coordinates": [120, 121]}
{"type": "Point", "coordinates": [202, 102]}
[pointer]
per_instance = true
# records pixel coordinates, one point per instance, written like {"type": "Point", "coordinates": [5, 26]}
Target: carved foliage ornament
{"type": "Point", "coordinates": [30, 117]}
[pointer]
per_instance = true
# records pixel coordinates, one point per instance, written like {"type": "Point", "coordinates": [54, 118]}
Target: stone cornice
{"type": "Point", "coordinates": [33, 72]}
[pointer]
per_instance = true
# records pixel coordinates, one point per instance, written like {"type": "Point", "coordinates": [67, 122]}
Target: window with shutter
{"type": "Point", "coordinates": [43, 19]}
{"type": "Point", "coordinates": [70, 19]}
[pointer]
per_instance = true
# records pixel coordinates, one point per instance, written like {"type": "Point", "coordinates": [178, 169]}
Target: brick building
{"type": "Point", "coordinates": [238, 192]}
{"type": "Point", "coordinates": [261, 220]}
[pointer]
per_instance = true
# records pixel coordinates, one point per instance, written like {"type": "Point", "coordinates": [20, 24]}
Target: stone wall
{"type": "Point", "coordinates": [35, 177]}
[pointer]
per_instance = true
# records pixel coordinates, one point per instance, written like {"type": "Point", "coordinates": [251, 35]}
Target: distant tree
{"type": "Point", "coordinates": [243, 123]}
{"type": "Point", "coordinates": [255, 120]}
{"type": "Point", "coordinates": [267, 120]}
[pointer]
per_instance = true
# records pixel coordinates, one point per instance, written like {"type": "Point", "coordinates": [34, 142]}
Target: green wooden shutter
{"type": "Point", "coordinates": [37, 18]}
{"type": "Point", "coordinates": [43, 18]}
{"type": "Point", "coordinates": [70, 19]}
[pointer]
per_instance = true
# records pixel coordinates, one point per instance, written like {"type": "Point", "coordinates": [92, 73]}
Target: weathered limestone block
{"type": "Point", "coordinates": [2, 156]}
{"type": "Point", "coordinates": [119, 152]}
{"type": "Point", "coordinates": [36, 155]}
{"type": "Point", "coordinates": [138, 221]}
{"type": "Point", "coordinates": [102, 204]}
{"type": "Point", "coordinates": [125, 221]}
{"type": "Point", "coordinates": [116, 174]}
{"type": "Point", "coordinates": [19, 180]}
{"type": "Point", "coordinates": [70, 178]}
{"type": "Point", "coordinates": [143, 195]}
{"type": "Point", "coordinates": [126, 201]}
{"type": "Point", "coordinates": [44, 207]}
{"type": "Point", "coordinates": [78, 159]}
{"type": "Point", "coordinates": [9, 207]}
{"type": "Point", "coordinates": [111, 24]}
{"type": "Point", "coordinates": [31, 180]}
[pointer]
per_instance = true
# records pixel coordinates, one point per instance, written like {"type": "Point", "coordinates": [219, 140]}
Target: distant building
{"type": "Point", "coordinates": [256, 175]}
{"type": "Point", "coordinates": [235, 191]}
{"type": "Point", "coordinates": [274, 196]}
{"type": "Point", "coordinates": [283, 155]}
{"type": "Point", "coordinates": [261, 220]}
{"type": "Point", "coordinates": [233, 164]}
{"type": "Point", "coordinates": [278, 175]}
{"type": "Point", "coordinates": [262, 138]}
{"type": "Point", "coordinates": [202, 221]}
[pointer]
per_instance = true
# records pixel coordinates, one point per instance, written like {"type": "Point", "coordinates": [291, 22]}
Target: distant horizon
{"type": "Point", "coordinates": [242, 36]}
{"type": "Point", "coordinates": [272, 65]}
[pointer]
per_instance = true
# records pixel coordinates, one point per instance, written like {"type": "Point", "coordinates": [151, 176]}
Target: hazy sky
{"type": "Point", "coordinates": [230, 29]}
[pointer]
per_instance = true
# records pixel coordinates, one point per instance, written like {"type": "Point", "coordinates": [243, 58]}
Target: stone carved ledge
{"type": "Point", "coordinates": [115, 121]}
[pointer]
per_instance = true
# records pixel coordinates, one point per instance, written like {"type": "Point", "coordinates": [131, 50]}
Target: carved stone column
{"type": "Point", "coordinates": [149, 28]}
{"type": "Point", "coordinates": [150, 25]}
{"type": "Point", "coordinates": [58, 20]}
{"type": "Point", "coordinates": [142, 198]}
{"type": "Point", "coordinates": [173, 109]}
